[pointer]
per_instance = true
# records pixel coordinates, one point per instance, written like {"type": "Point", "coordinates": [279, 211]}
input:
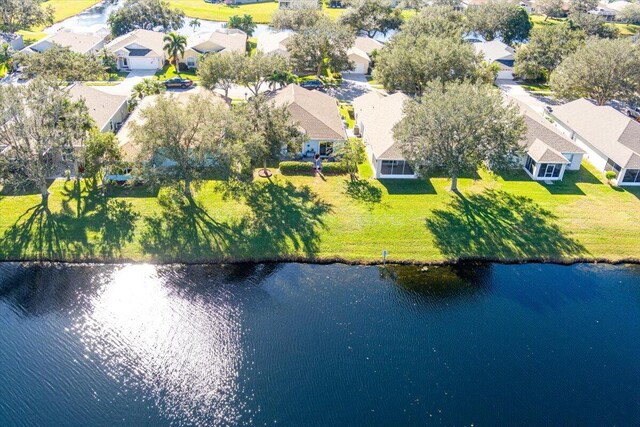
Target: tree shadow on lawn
{"type": "Point", "coordinates": [44, 234]}
{"type": "Point", "coordinates": [568, 185]}
{"type": "Point", "coordinates": [363, 191]}
{"type": "Point", "coordinates": [408, 186]}
{"type": "Point", "coordinates": [282, 219]}
{"type": "Point", "coordinates": [496, 224]}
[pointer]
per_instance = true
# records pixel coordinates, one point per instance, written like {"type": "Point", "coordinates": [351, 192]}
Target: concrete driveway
{"type": "Point", "coordinates": [353, 86]}
{"type": "Point", "coordinates": [125, 87]}
{"type": "Point", "coordinates": [517, 92]}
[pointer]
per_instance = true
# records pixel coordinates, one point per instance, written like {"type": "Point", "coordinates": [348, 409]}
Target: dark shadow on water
{"type": "Point", "coordinates": [438, 283]}
{"type": "Point", "coordinates": [497, 224]}
{"type": "Point", "coordinates": [363, 191]}
{"type": "Point", "coordinates": [408, 186]}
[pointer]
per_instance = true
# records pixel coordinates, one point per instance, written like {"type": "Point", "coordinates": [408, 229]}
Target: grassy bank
{"type": "Point", "coordinates": [313, 218]}
{"type": "Point", "coordinates": [624, 29]}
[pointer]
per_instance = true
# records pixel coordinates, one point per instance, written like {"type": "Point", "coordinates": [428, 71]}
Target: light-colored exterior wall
{"type": "Point", "coordinates": [118, 119]}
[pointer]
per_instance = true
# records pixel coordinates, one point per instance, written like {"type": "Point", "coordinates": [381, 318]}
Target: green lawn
{"type": "Point", "coordinates": [3, 70]}
{"type": "Point", "coordinates": [169, 71]}
{"type": "Point", "coordinates": [314, 218]}
{"type": "Point", "coordinates": [625, 29]}
{"type": "Point", "coordinates": [261, 12]}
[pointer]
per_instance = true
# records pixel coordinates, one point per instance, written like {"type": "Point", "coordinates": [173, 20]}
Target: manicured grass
{"type": "Point", "coordinates": [169, 71]}
{"type": "Point", "coordinates": [625, 29]}
{"type": "Point", "coordinates": [261, 12]}
{"type": "Point", "coordinates": [3, 70]}
{"type": "Point", "coordinates": [325, 218]}
{"type": "Point", "coordinates": [346, 111]}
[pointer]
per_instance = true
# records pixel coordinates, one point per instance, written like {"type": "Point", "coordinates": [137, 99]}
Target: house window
{"type": "Point", "coordinates": [612, 166]}
{"type": "Point", "coordinates": [631, 175]}
{"type": "Point", "coordinates": [326, 148]}
{"type": "Point", "coordinates": [191, 62]}
{"type": "Point", "coordinates": [549, 170]}
{"type": "Point", "coordinates": [395, 167]}
{"type": "Point", "coordinates": [530, 165]}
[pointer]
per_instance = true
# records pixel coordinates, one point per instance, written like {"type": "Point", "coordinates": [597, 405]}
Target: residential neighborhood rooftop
{"type": "Point", "coordinates": [139, 43]}
{"type": "Point", "coordinates": [543, 143]}
{"type": "Point", "coordinates": [316, 112]}
{"type": "Point", "coordinates": [608, 130]}
{"type": "Point", "coordinates": [102, 106]}
{"type": "Point", "coordinates": [219, 40]}
{"type": "Point", "coordinates": [77, 42]}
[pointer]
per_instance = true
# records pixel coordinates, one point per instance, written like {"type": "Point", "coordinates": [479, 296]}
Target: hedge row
{"type": "Point", "coordinates": [305, 168]}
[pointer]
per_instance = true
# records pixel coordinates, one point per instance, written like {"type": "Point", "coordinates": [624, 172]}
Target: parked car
{"type": "Point", "coordinates": [177, 82]}
{"type": "Point", "coordinates": [312, 84]}
{"type": "Point", "coordinates": [633, 111]}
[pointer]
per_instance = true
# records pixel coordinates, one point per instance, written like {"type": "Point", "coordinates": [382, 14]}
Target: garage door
{"type": "Point", "coordinates": [144, 63]}
{"type": "Point", "coordinates": [360, 68]}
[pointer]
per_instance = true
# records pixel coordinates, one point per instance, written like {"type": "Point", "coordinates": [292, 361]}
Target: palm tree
{"type": "Point", "coordinates": [174, 46]}
{"type": "Point", "coordinates": [194, 24]}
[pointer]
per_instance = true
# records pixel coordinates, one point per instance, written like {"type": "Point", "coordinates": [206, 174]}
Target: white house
{"type": "Point", "coordinates": [139, 50]}
{"type": "Point", "coordinates": [360, 54]}
{"type": "Point", "coordinates": [376, 115]}
{"type": "Point", "coordinates": [218, 41]}
{"type": "Point", "coordinates": [317, 114]}
{"type": "Point", "coordinates": [500, 53]}
{"type": "Point", "coordinates": [547, 152]}
{"type": "Point", "coordinates": [85, 43]}
{"type": "Point", "coordinates": [15, 41]}
{"type": "Point", "coordinates": [610, 138]}
{"type": "Point", "coordinates": [108, 110]}
{"type": "Point", "coordinates": [274, 43]}
{"type": "Point", "coordinates": [604, 11]}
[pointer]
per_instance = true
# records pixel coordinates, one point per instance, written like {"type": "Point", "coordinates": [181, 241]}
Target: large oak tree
{"type": "Point", "coordinates": [459, 127]}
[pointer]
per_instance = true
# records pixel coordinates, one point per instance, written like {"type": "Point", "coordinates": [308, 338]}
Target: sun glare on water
{"type": "Point", "coordinates": [182, 349]}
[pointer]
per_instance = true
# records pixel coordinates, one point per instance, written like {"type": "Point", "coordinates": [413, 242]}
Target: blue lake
{"type": "Point", "coordinates": [307, 345]}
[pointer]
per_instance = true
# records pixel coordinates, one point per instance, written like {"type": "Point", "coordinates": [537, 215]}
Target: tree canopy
{"type": "Point", "coordinates": [243, 23]}
{"type": "Point", "coordinates": [324, 44]}
{"type": "Point", "coordinates": [435, 21]}
{"type": "Point", "coordinates": [63, 64]}
{"type": "Point", "coordinates": [145, 14]}
{"type": "Point", "coordinates": [371, 17]}
{"type": "Point", "coordinates": [191, 136]}
{"type": "Point", "coordinates": [296, 19]}
{"type": "Point", "coordinates": [18, 15]}
{"type": "Point", "coordinates": [220, 71]}
{"type": "Point", "coordinates": [500, 18]}
{"type": "Point", "coordinates": [408, 63]}
{"type": "Point", "coordinates": [258, 69]}
{"type": "Point", "coordinates": [40, 129]}
{"type": "Point", "coordinates": [458, 128]}
{"type": "Point", "coordinates": [548, 46]}
{"type": "Point", "coordinates": [174, 46]}
{"type": "Point", "coordinates": [602, 69]}
{"type": "Point", "coordinates": [551, 8]}
{"type": "Point", "coordinates": [592, 25]}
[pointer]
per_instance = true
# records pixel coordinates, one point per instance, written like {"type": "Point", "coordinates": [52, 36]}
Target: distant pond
{"type": "Point", "coordinates": [308, 345]}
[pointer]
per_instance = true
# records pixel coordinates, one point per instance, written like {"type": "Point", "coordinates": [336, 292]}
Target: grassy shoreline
{"type": "Point", "coordinates": [309, 219]}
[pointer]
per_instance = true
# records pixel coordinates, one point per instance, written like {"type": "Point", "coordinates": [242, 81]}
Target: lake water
{"type": "Point", "coordinates": [95, 19]}
{"type": "Point", "coordinates": [306, 345]}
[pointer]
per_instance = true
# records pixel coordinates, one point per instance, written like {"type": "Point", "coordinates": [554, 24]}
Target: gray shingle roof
{"type": "Point", "coordinates": [102, 106]}
{"type": "Point", "coordinates": [609, 131]}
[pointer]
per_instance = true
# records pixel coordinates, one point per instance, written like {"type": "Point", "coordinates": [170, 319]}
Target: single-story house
{"type": "Point", "coordinates": [360, 54]}
{"type": "Point", "coordinates": [603, 10]}
{"type": "Point", "coordinates": [547, 152]}
{"type": "Point", "coordinates": [500, 53]}
{"type": "Point", "coordinates": [376, 115]}
{"type": "Point", "coordinates": [85, 43]}
{"type": "Point", "coordinates": [130, 149]}
{"type": "Point", "coordinates": [139, 50]}
{"type": "Point", "coordinates": [274, 43]}
{"type": "Point", "coordinates": [317, 114]}
{"type": "Point", "coordinates": [217, 41]}
{"type": "Point", "coordinates": [298, 4]}
{"type": "Point", "coordinates": [109, 111]}
{"type": "Point", "coordinates": [15, 41]}
{"type": "Point", "coordinates": [617, 6]}
{"type": "Point", "coordinates": [610, 138]}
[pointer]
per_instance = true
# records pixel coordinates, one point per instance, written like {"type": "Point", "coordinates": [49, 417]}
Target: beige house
{"type": "Point", "coordinates": [360, 54]}
{"type": "Point", "coordinates": [139, 50]}
{"type": "Point", "coordinates": [218, 41]}
{"type": "Point", "coordinates": [547, 152]}
{"type": "Point", "coordinates": [318, 115]}
{"type": "Point", "coordinates": [376, 115]}
{"type": "Point", "coordinates": [85, 43]}
{"type": "Point", "coordinates": [610, 138]}
{"type": "Point", "coordinates": [108, 110]}
{"type": "Point", "coordinates": [274, 43]}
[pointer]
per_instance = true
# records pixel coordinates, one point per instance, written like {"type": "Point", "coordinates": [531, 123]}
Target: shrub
{"type": "Point", "coordinates": [295, 168]}
{"type": "Point", "coordinates": [334, 168]}
{"type": "Point", "coordinates": [610, 175]}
